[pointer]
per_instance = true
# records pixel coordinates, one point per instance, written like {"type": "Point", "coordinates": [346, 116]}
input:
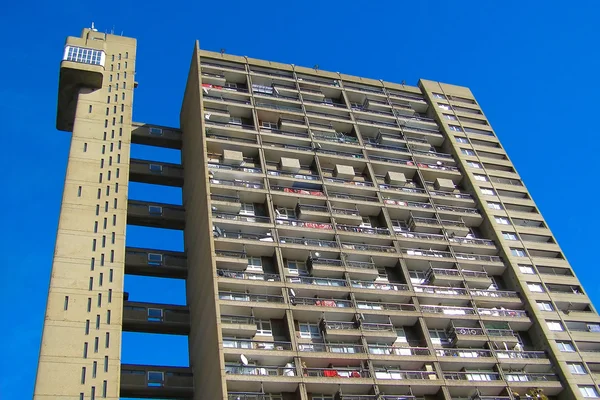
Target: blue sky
{"type": "Point", "coordinates": [532, 65]}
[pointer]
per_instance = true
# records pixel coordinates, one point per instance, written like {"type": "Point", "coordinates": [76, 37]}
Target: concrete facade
{"type": "Point", "coordinates": [345, 238]}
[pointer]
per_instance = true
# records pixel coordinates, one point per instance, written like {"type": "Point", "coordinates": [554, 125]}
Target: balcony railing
{"type": "Point", "coordinates": [362, 229]}
{"type": "Point", "coordinates": [500, 332]}
{"type": "Point", "coordinates": [348, 182]}
{"type": "Point", "coordinates": [376, 327]}
{"type": "Point", "coordinates": [311, 207]}
{"type": "Point", "coordinates": [416, 204]}
{"type": "Point", "coordinates": [238, 369]}
{"type": "Point", "coordinates": [478, 257]}
{"type": "Point", "coordinates": [450, 194]}
{"type": "Point", "coordinates": [502, 313]}
{"type": "Point", "coordinates": [378, 285]}
{"type": "Point", "coordinates": [246, 236]}
{"type": "Point", "coordinates": [457, 209]}
{"type": "Point", "coordinates": [340, 325]}
{"type": "Point", "coordinates": [222, 197]}
{"type": "Point", "coordinates": [249, 297]}
{"type": "Point", "coordinates": [461, 240]}
{"type": "Point", "coordinates": [538, 355]}
{"type": "Point", "coordinates": [307, 242]}
{"type": "Point", "coordinates": [284, 133]}
{"type": "Point", "coordinates": [338, 348]}
{"type": "Point", "coordinates": [307, 177]}
{"type": "Point", "coordinates": [368, 247]}
{"type": "Point", "coordinates": [335, 372]}
{"type": "Point", "coordinates": [465, 330]}
{"type": "Point", "coordinates": [304, 224]}
{"type": "Point", "coordinates": [327, 261]}
{"type": "Point", "coordinates": [405, 189]}
{"type": "Point", "coordinates": [466, 353]}
{"type": "Point", "coordinates": [231, 167]}
{"type": "Point", "coordinates": [289, 189]}
{"type": "Point", "coordinates": [392, 160]}
{"type": "Point", "coordinates": [240, 183]}
{"type": "Point", "coordinates": [255, 344]}
{"type": "Point", "coordinates": [230, 253]}
{"type": "Point", "coordinates": [312, 301]}
{"type": "Point", "coordinates": [448, 310]}
{"type": "Point", "coordinates": [310, 280]}
{"type": "Point", "coordinates": [443, 290]}
{"type": "Point", "coordinates": [378, 305]}
{"type": "Point", "coordinates": [241, 217]}
{"type": "Point", "coordinates": [530, 377]}
{"type": "Point", "coordinates": [392, 373]}
{"type": "Point", "coordinates": [472, 376]}
{"type": "Point", "coordinates": [224, 273]}
{"type": "Point", "coordinates": [427, 253]}
{"type": "Point", "coordinates": [493, 293]}
{"type": "Point", "coordinates": [361, 264]}
{"type": "Point", "coordinates": [398, 350]}
{"type": "Point", "coordinates": [237, 319]}
{"type": "Point", "coordinates": [353, 197]}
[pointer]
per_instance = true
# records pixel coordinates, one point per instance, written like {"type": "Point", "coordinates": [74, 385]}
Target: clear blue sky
{"type": "Point", "coordinates": [532, 65]}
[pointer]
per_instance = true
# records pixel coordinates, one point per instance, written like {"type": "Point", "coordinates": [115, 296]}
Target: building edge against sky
{"type": "Point", "coordinates": [344, 238]}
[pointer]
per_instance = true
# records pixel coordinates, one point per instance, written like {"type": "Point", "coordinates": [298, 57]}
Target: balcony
{"type": "Point", "coordinates": [231, 171]}
{"type": "Point", "coordinates": [368, 247]}
{"type": "Point", "coordinates": [169, 138]}
{"type": "Point", "coordinates": [156, 318]}
{"type": "Point", "coordinates": [150, 381]}
{"type": "Point", "coordinates": [238, 183]}
{"type": "Point", "coordinates": [157, 173]}
{"type": "Point", "coordinates": [342, 330]}
{"type": "Point", "coordinates": [156, 215]}
{"type": "Point", "coordinates": [297, 192]}
{"type": "Point", "coordinates": [478, 259]}
{"type": "Point", "coordinates": [467, 336]}
{"type": "Point", "coordinates": [232, 345]}
{"type": "Point", "coordinates": [158, 263]}
{"type": "Point", "coordinates": [225, 203]}
{"type": "Point", "coordinates": [464, 312]}
{"type": "Point", "coordinates": [392, 373]}
{"type": "Point", "coordinates": [337, 373]}
{"type": "Point", "coordinates": [235, 260]}
{"type": "Point", "coordinates": [251, 276]}
{"type": "Point", "coordinates": [238, 325]}
{"type": "Point", "coordinates": [325, 267]}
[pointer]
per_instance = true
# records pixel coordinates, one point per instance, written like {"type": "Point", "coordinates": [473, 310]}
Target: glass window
{"type": "Point", "coordinates": [555, 326]}
{"type": "Point", "coordinates": [155, 259]}
{"type": "Point", "coordinates": [461, 139]}
{"type": "Point", "coordinates": [474, 164]}
{"type": "Point", "coordinates": [455, 128]}
{"type": "Point", "coordinates": [450, 117]}
{"type": "Point", "coordinates": [444, 106]}
{"type": "Point", "coordinates": [535, 287]}
{"type": "Point", "coordinates": [577, 368]}
{"type": "Point", "coordinates": [488, 191]}
{"type": "Point", "coordinates": [526, 269]}
{"type": "Point", "coordinates": [438, 336]}
{"type": "Point", "coordinates": [502, 220]}
{"type": "Point", "coordinates": [494, 206]}
{"type": "Point", "coordinates": [565, 346]}
{"type": "Point", "coordinates": [155, 314]}
{"type": "Point", "coordinates": [481, 178]}
{"type": "Point", "coordinates": [588, 391]}
{"type": "Point", "coordinates": [467, 152]}
{"type": "Point", "coordinates": [285, 213]}
{"type": "Point", "coordinates": [247, 209]}
{"type": "Point", "coordinates": [155, 210]}
{"type": "Point", "coordinates": [518, 252]}
{"type": "Point", "coordinates": [509, 236]}
{"type": "Point", "coordinates": [155, 167]}
{"type": "Point", "coordinates": [156, 131]}
{"type": "Point", "coordinates": [83, 55]}
{"type": "Point", "coordinates": [309, 330]}
{"type": "Point", "coordinates": [156, 378]}
{"type": "Point", "coordinates": [545, 306]}
{"type": "Point", "coordinates": [263, 327]}
{"type": "Point", "coordinates": [438, 95]}
{"type": "Point", "coordinates": [235, 120]}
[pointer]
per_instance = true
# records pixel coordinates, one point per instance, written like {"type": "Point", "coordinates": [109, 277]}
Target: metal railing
{"type": "Point", "coordinates": [360, 264]}
{"type": "Point", "coordinates": [239, 369]}
{"type": "Point", "coordinates": [427, 253]}
{"type": "Point", "coordinates": [398, 350]}
{"type": "Point", "coordinates": [378, 305]}
{"type": "Point", "coordinates": [472, 376]}
{"type": "Point", "coordinates": [448, 310]}
{"type": "Point", "coordinates": [224, 273]}
{"type": "Point", "coordinates": [457, 209]}
{"type": "Point", "coordinates": [521, 354]}
{"type": "Point", "coordinates": [249, 297]}
{"type": "Point", "coordinates": [289, 189]}
{"type": "Point", "coordinates": [466, 353]}
{"type": "Point", "coordinates": [392, 373]}
{"type": "Point", "coordinates": [348, 182]}
{"type": "Point", "coordinates": [478, 257]}
{"type": "Point", "coordinates": [378, 285]}
{"type": "Point", "coordinates": [443, 290]}
{"type": "Point", "coordinates": [376, 327]}
{"type": "Point", "coordinates": [312, 301]}
{"type": "Point", "coordinates": [464, 240]}
{"type": "Point", "coordinates": [353, 197]}
{"type": "Point", "coordinates": [230, 167]}
{"type": "Point", "coordinates": [465, 330]}
{"type": "Point", "coordinates": [245, 184]}
{"type": "Point", "coordinates": [241, 217]}
{"type": "Point", "coordinates": [493, 293]}
{"type": "Point", "coordinates": [335, 372]}
{"type": "Point", "coordinates": [246, 236]}
{"type": "Point", "coordinates": [327, 261]}
{"type": "Point", "coordinates": [362, 229]}
{"type": "Point", "coordinates": [230, 253]}
{"type": "Point", "coordinates": [392, 160]}
{"type": "Point", "coordinates": [338, 348]}
{"type": "Point", "coordinates": [310, 280]}
{"type": "Point", "coordinates": [304, 224]}
{"type": "Point", "coordinates": [237, 319]}
{"type": "Point", "coordinates": [368, 247]}
{"type": "Point", "coordinates": [307, 177]}
{"type": "Point", "coordinates": [255, 344]}
{"type": "Point", "coordinates": [341, 325]}
{"type": "Point", "coordinates": [450, 194]}
{"type": "Point", "coordinates": [494, 312]}
{"type": "Point", "coordinates": [307, 242]}
{"type": "Point", "coordinates": [222, 197]}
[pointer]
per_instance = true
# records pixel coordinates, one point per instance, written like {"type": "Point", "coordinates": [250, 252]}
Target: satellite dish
{"type": "Point", "coordinates": [244, 359]}
{"type": "Point", "coordinates": [292, 293]}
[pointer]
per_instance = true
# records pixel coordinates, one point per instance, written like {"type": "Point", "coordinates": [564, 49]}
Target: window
{"type": "Point", "coordinates": [366, 222]}
{"type": "Point", "coordinates": [450, 117]}
{"type": "Point", "coordinates": [555, 326]}
{"type": "Point", "coordinates": [474, 164]}
{"type": "Point", "coordinates": [66, 306]}
{"type": "Point", "coordinates": [309, 330]}
{"type": "Point", "coordinates": [155, 168]}
{"type": "Point", "coordinates": [155, 210]}
{"type": "Point", "coordinates": [247, 209]}
{"type": "Point", "coordinates": [460, 139]}
{"type": "Point", "coordinates": [104, 385]}
{"type": "Point", "coordinates": [94, 368]}
{"type": "Point", "coordinates": [502, 220]}
{"type": "Point", "coordinates": [254, 263]}
{"type": "Point", "coordinates": [479, 131]}
{"type": "Point", "coordinates": [262, 89]}
{"type": "Point", "coordinates": [526, 269]}
{"type": "Point", "coordinates": [588, 391]}
{"type": "Point", "coordinates": [438, 95]}
{"type": "Point", "coordinates": [156, 379]}
{"type": "Point", "coordinates": [494, 206]}
{"type": "Point", "coordinates": [268, 125]}
{"type": "Point", "coordinates": [285, 213]}
{"type": "Point", "coordinates": [156, 131]}
{"type": "Point", "coordinates": [444, 106]}
{"type": "Point", "coordinates": [535, 287]}
{"type": "Point", "coordinates": [545, 306]}
{"type": "Point", "coordinates": [455, 128]}
{"type": "Point", "coordinates": [481, 178]}
{"type": "Point", "coordinates": [297, 267]}
{"type": "Point", "coordinates": [565, 346]}
{"type": "Point", "coordinates": [438, 336]}
{"type": "Point", "coordinates": [518, 252]}
{"type": "Point", "coordinates": [577, 368]}
{"type": "Point", "coordinates": [83, 55]}
{"type": "Point", "coordinates": [509, 236]}
{"type": "Point", "coordinates": [235, 120]}
{"type": "Point", "coordinates": [467, 152]}
{"type": "Point", "coordinates": [155, 259]}
{"type": "Point", "coordinates": [263, 327]}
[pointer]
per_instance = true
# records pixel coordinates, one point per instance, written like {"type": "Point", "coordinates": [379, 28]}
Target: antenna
{"type": "Point", "coordinates": [222, 51]}
{"type": "Point", "coordinates": [93, 28]}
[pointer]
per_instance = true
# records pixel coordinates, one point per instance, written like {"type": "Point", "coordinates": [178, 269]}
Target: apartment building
{"type": "Point", "coordinates": [345, 239]}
